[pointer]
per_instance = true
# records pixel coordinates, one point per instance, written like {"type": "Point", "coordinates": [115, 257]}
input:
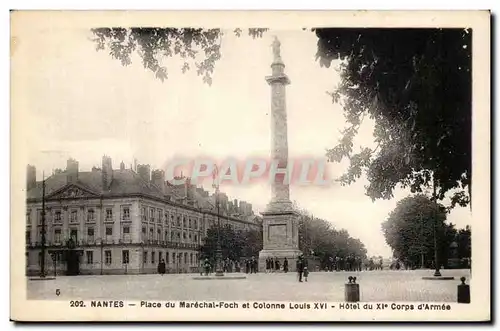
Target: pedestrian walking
{"type": "Point", "coordinates": [206, 265]}
{"type": "Point", "coordinates": [162, 267]}
{"type": "Point", "coordinates": [306, 273]}
{"type": "Point", "coordinates": [285, 265]}
{"type": "Point", "coordinates": [300, 267]}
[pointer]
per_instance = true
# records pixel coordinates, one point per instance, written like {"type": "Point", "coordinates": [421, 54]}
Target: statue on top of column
{"type": "Point", "coordinates": [276, 49]}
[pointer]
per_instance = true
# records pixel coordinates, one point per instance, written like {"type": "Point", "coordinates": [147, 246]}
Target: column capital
{"type": "Point", "coordinates": [283, 79]}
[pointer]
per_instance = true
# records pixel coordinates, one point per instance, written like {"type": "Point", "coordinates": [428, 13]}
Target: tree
{"type": "Point", "coordinates": [154, 45]}
{"type": "Point", "coordinates": [414, 83]}
{"type": "Point", "coordinates": [253, 244]}
{"type": "Point", "coordinates": [464, 243]}
{"type": "Point", "coordinates": [234, 244]}
{"type": "Point", "coordinates": [416, 86]}
{"type": "Point", "coordinates": [319, 238]}
{"type": "Point", "coordinates": [409, 231]}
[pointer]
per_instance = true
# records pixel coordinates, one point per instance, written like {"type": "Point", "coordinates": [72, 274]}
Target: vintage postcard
{"type": "Point", "coordinates": [250, 166]}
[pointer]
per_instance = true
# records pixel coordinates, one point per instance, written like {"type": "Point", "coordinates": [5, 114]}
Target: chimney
{"type": "Point", "coordinates": [144, 171]}
{"type": "Point", "coordinates": [249, 209]}
{"type": "Point", "coordinates": [122, 166]}
{"type": "Point", "coordinates": [243, 207]}
{"type": "Point", "coordinates": [107, 172]}
{"type": "Point", "coordinates": [158, 178]}
{"type": "Point", "coordinates": [71, 171]}
{"type": "Point", "coordinates": [31, 177]}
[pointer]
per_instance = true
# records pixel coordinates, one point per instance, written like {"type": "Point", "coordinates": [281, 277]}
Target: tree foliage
{"type": "Point", "coordinates": [409, 231]}
{"type": "Point", "coordinates": [234, 244]}
{"type": "Point", "coordinates": [414, 83]}
{"type": "Point", "coordinates": [319, 238]}
{"type": "Point", "coordinates": [416, 86]}
{"type": "Point", "coordinates": [155, 45]}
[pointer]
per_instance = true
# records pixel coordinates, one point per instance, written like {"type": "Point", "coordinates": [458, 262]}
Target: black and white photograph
{"type": "Point", "coordinates": [250, 166]}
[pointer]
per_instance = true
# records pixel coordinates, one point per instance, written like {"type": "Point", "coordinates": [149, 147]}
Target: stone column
{"type": "Point", "coordinates": [280, 221]}
{"type": "Point", "coordinates": [279, 136]}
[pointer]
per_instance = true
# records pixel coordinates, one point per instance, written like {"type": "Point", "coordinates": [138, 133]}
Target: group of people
{"type": "Point", "coordinates": [353, 263]}
{"type": "Point", "coordinates": [274, 265]}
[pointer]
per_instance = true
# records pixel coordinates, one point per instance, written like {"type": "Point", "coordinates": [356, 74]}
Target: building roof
{"type": "Point", "coordinates": [124, 182]}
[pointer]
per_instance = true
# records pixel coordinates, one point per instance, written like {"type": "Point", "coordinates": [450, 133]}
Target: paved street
{"type": "Point", "coordinates": [322, 286]}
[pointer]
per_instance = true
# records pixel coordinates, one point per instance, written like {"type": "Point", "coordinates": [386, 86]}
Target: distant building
{"type": "Point", "coordinates": [123, 221]}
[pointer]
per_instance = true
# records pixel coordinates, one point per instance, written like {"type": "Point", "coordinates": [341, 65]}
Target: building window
{"type": "Point", "coordinates": [107, 255]}
{"type": "Point", "coordinates": [126, 213]}
{"type": "Point", "coordinates": [184, 235]}
{"type": "Point", "coordinates": [178, 236]}
{"type": "Point", "coordinates": [160, 255]}
{"type": "Point", "coordinates": [152, 214]}
{"type": "Point", "coordinates": [184, 222]}
{"type": "Point", "coordinates": [185, 258]}
{"type": "Point", "coordinates": [74, 216]}
{"type": "Point", "coordinates": [151, 234]}
{"type": "Point", "coordinates": [190, 237]}
{"type": "Point", "coordinates": [57, 235]}
{"type": "Point", "coordinates": [178, 221]}
{"type": "Point", "coordinates": [191, 258]}
{"type": "Point", "coordinates": [126, 233]}
{"type": "Point", "coordinates": [90, 257]}
{"type": "Point", "coordinates": [109, 214]}
{"type": "Point", "coordinates": [158, 234]}
{"type": "Point", "coordinates": [57, 216]}
{"type": "Point", "coordinates": [145, 257]}
{"type": "Point", "coordinates": [143, 233]}
{"type": "Point", "coordinates": [160, 212]}
{"type": "Point", "coordinates": [190, 223]}
{"type": "Point", "coordinates": [196, 224]}
{"type": "Point", "coordinates": [195, 238]}
{"type": "Point", "coordinates": [28, 217]}
{"type": "Point", "coordinates": [90, 215]}
{"type": "Point", "coordinates": [172, 219]}
{"type": "Point", "coordinates": [39, 216]}
{"type": "Point", "coordinates": [74, 235]}
{"type": "Point", "coordinates": [125, 257]}
{"type": "Point", "coordinates": [172, 234]}
{"type": "Point", "coordinates": [166, 235]}
{"type": "Point", "coordinates": [153, 257]}
{"type": "Point", "coordinates": [28, 236]}
{"type": "Point", "coordinates": [90, 234]}
{"type": "Point", "coordinates": [167, 256]}
{"type": "Point", "coordinates": [143, 213]}
{"type": "Point", "coordinates": [109, 231]}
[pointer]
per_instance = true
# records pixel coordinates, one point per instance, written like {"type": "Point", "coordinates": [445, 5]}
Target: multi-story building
{"type": "Point", "coordinates": [123, 221]}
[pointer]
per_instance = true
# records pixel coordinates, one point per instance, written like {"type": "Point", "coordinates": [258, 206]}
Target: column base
{"type": "Point", "coordinates": [280, 254]}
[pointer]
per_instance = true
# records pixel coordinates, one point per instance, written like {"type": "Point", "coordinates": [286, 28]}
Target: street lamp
{"type": "Point", "coordinates": [42, 258]}
{"type": "Point", "coordinates": [218, 252]}
{"type": "Point", "coordinates": [437, 273]}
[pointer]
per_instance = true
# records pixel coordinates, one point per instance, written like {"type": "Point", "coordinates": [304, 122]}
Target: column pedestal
{"type": "Point", "coordinates": [280, 231]}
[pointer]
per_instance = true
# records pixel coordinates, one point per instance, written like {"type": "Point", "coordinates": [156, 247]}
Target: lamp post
{"type": "Point", "coordinates": [437, 273]}
{"type": "Point", "coordinates": [42, 258]}
{"type": "Point", "coordinates": [218, 252]}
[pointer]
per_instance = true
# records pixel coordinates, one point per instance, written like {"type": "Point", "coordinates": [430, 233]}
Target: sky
{"type": "Point", "coordinates": [86, 104]}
